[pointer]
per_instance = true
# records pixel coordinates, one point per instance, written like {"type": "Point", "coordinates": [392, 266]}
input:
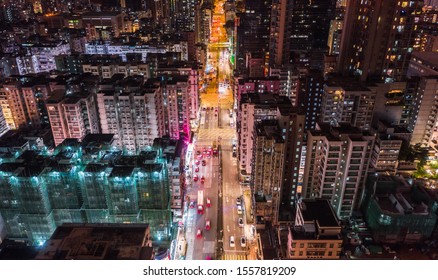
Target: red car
{"type": "Point", "coordinates": [197, 169]}
{"type": "Point", "coordinates": [202, 179]}
{"type": "Point", "coordinates": [207, 225]}
{"type": "Point", "coordinates": [208, 204]}
{"type": "Point", "coordinates": [199, 233]}
{"type": "Point", "coordinates": [195, 177]}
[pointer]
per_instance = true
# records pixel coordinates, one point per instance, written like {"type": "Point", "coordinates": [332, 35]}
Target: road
{"type": "Point", "coordinates": [204, 247]}
{"type": "Point", "coordinates": [221, 173]}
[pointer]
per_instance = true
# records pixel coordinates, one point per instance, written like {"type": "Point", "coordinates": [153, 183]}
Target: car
{"type": "Point", "coordinates": [240, 222]}
{"type": "Point", "coordinates": [207, 225]}
{"type": "Point", "coordinates": [204, 163]}
{"type": "Point", "coordinates": [234, 154]}
{"type": "Point", "coordinates": [202, 179]}
{"type": "Point", "coordinates": [199, 233]}
{"type": "Point", "coordinates": [199, 157]}
{"type": "Point", "coordinates": [239, 210]}
{"type": "Point", "coordinates": [198, 152]}
{"type": "Point", "coordinates": [195, 177]}
{"type": "Point", "coordinates": [192, 204]}
{"type": "Point", "coordinates": [208, 204]}
{"type": "Point", "coordinates": [197, 169]}
{"type": "Point", "coordinates": [211, 108]}
{"type": "Point", "coordinates": [197, 162]}
{"type": "Point", "coordinates": [232, 243]}
{"type": "Point", "coordinates": [243, 242]}
{"type": "Point", "coordinates": [239, 201]}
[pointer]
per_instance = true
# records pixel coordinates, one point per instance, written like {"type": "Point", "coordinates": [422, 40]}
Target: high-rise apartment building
{"type": "Point", "coordinates": [23, 101]}
{"type": "Point", "coordinates": [347, 102]}
{"type": "Point", "coordinates": [311, 90]}
{"type": "Point", "coordinates": [176, 92]}
{"type": "Point", "coordinates": [385, 154]}
{"type": "Point", "coordinates": [268, 164]}
{"type": "Point", "coordinates": [337, 163]}
{"type": "Point", "coordinates": [102, 25]}
{"type": "Point", "coordinates": [316, 233]}
{"type": "Point", "coordinates": [72, 116]}
{"type": "Point", "coordinates": [135, 118]}
{"type": "Point", "coordinates": [260, 107]}
{"type": "Point", "coordinates": [299, 31]}
{"type": "Point", "coordinates": [378, 38]}
{"type": "Point", "coordinates": [423, 120]}
{"type": "Point", "coordinates": [192, 74]}
{"type": "Point", "coordinates": [41, 57]}
{"type": "Point", "coordinates": [3, 125]}
{"type": "Point", "coordinates": [253, 108]}
{"type": "Point", "coordinates": [84, 182]}
{"type": "Point", "coordinates": [184, 17]}
{"type": "Point", "coordinates": [253, 32]}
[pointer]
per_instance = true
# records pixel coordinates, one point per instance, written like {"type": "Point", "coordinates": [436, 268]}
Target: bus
{"type": "Point", "coordinates": [200, 202]}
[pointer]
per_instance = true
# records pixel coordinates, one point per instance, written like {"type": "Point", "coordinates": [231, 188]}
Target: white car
{"type": "Point", "coordinates": [239, 210]}
{"type": "Point", "coordinates": [232, 243]}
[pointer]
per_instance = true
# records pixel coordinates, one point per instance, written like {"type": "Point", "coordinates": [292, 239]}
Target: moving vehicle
{"type": "Point", "coordinates": [241, 222]}
{"type": "Point", "coordinates": [200, 202]}
{"type": "Point", "coordinates": [239, 210]}
{"type": "Point", "coordinates": [204, 163]}
{"type": "Point", "coordinates": [202, 180]}
{"type": "Point", "coordinates": [207, 225]}
{"type": "Point", "coordinates": [197, 169]}
{"type": "Point", "coordinates": [195, 177]}
{"type": "Point", "coordinates": [192, 204]}
{"type": "Point", "coordinates": [243, 242]}
{"type": "Point", "coordinates": [232, 243]}
{"type": "Point", "coordinates": [197, 162]}
{"type": "Point", "coordinates": [239, 201]}
{"type": "Point", "coordinates": [199, 233]}
{"type": "Point", "coordinates": [208, 203]}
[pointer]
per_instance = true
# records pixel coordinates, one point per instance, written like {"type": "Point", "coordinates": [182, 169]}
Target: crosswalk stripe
{"type": "Point", "coordinates": [234, 257]}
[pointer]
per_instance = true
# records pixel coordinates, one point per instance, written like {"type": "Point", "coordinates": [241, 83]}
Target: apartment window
{"type": "Point", "coordinates": [332, 245]}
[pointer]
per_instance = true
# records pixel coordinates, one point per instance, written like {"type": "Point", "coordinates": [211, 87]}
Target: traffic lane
{"type": "Point", "coordinates": [232, 190]}
{"type": "Point", "coordinates": [199, 242]}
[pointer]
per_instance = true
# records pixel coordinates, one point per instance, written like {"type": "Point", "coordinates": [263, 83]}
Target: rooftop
{"type": "Point", "coordinates": [98, 241]}
{"type": "Point", "coordinates": [320, 210]}
{"type": "Point", "coordinates": [427, 58]}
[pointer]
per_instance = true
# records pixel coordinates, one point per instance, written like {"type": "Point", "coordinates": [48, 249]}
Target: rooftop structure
{"type": "Point", "coordinates": [316, 233]}
{"type": "Point", "coordinates": [99, 242]}
{"type": "Point", "coordinates": [397, 211]}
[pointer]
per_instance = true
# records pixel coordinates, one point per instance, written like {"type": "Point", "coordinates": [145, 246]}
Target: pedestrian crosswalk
{"type": "Point", "coordinates": [234, 257]}
{"type": "Point", "coordinates": [214, 133]}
